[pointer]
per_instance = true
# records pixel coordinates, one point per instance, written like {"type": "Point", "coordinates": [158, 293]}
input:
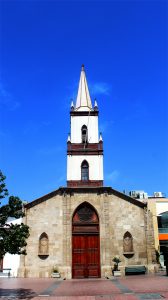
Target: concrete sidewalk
{"type": "Point", "coordinates": [132, 287]}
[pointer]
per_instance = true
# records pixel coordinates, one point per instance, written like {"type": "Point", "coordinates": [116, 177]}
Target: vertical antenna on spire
{"type": "Point", "coordinates": [82, 67]}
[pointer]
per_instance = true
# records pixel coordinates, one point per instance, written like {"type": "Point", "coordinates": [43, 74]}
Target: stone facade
{"type": "Point", "coordinates": [118, 214]}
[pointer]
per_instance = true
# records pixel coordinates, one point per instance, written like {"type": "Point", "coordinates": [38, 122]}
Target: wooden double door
{"type": "Point", "coordinates": [86, 256]}
{"type": "Point", "coordinates": [85, 243]}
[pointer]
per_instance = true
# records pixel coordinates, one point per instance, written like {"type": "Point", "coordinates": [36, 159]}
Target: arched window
{"type": "Point", "coordinates": [84, 134]}
{"type": "Point", "coordinates": [85, 213]}
{"type": "Point", "coordinates": [43, 244]}
{"type": "Point", "coordinates": [127, 243]}
{"type": "Point", "coordinates": [85, 171]}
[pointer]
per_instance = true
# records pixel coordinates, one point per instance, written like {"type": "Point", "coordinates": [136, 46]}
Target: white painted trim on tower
{"type": "Point", "coordinates": [92, 124]}
{"type": "Point", "coordinates": [95, 166]}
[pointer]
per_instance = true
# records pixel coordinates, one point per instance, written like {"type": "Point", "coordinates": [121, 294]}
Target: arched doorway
{"type": "Point", "coordinates": [85, 242]}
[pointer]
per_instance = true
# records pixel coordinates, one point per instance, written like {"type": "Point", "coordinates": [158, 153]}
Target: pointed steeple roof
{"type": "Point", "coordinates": [83, 101]}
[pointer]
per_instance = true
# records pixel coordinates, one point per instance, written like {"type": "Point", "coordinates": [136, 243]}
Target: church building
{"type": "Point", "coordinates": [81, 227]}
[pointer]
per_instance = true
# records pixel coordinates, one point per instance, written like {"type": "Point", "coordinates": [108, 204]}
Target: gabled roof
{"type": "Point", "coordinates": [83, 101]}
{"type": "Point", "coordinates": [94, 190]}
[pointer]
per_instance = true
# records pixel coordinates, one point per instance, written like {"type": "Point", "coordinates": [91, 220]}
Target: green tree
{"type": "Point", "coordinates": [12, 236]}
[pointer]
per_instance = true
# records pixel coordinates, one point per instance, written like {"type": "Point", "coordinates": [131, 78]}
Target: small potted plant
{"type": "Point", "coordinates": [55, 272]}
{"type": "Point", "coordinates": [115, 270]}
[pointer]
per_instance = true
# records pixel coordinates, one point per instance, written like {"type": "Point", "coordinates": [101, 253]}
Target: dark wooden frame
{"type": "Point", "coordinates": [84, 162]}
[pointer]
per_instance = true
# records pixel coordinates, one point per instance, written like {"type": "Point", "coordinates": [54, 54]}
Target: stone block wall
{"type": "Point", "coordinates": [44, 217]}
{"type": "Point", "coordinates": [116, 216]}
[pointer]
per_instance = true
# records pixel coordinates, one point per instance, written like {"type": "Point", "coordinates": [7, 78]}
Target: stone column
{"type": "Point", "coordinates": [150, 242]}
{"type": "Point", "coordinates": [67, 248]}
{"type": "Point", "coordinates": [105, 238]}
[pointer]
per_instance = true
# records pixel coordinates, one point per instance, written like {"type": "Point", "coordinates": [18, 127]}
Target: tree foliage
{"type": "Point", "coordinates": [12, 236]}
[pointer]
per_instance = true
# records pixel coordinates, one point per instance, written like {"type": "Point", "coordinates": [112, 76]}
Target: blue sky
{"type": "Point", "coordinates": [123, 47]}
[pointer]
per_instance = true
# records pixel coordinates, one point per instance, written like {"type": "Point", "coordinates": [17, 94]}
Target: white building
{"type": "Point", "coordinates": [11, 261]}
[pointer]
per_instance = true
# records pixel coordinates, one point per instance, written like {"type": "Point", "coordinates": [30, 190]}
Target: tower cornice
{"type": "Point", "coordinates": [85, 149]}
{"type": "Point", "coordinates": [84, 113]}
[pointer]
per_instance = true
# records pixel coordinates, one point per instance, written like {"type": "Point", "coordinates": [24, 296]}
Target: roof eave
{"type": "Point", "coordinates": [98, 190]}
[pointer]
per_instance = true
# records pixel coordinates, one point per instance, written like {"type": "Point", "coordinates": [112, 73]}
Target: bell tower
{"type": "Point", "coordinates": [84, 144]}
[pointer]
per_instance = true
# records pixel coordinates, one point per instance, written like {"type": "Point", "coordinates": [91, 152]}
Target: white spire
{"type": "Point", "coordinates": [83, 101]}
{"type": "Point", "coordinates": [95, 104]}
{"type": "Point", "coordinates": [100, 138]}
{"type": "Point", "coordinates": [69, 138]}
{"type": "Point", "coordinates": [72, 105]}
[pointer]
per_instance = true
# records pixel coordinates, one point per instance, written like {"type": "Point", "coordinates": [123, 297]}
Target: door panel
{"type": "Point", "coordinates": [93, 256]}
{"type": "Point", "coordinates": [78, 256]}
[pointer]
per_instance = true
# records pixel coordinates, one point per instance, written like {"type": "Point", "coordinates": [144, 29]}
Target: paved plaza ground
{"type": "Point", "coordinates": [139, 287]}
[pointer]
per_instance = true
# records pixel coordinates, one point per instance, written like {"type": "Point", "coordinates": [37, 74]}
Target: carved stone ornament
{"type": "Point", "coordinates": [85, 214]}
{"type": "Point", "coordinates": [43, 245]}
{"type": "Point", "coordinates": [128, 244]}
